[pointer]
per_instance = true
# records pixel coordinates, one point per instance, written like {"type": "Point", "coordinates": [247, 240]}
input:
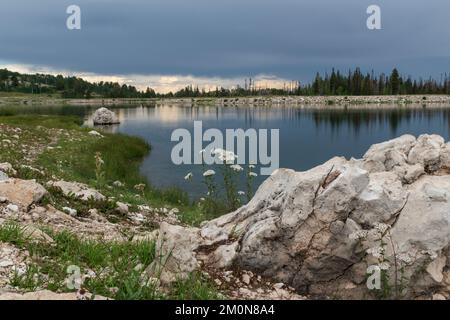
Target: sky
{"type": "Point", "coordinates": [167, 44]}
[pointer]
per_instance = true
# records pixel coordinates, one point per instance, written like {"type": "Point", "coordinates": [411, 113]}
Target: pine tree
{"type": "Point", "coordinates": [395, 82]}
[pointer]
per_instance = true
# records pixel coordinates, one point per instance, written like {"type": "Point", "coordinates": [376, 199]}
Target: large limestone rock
{"type": "Point", "coordinates": [22, 192]}
{"type": "Point", "coordinates": [103, 116]}
{"type": "Point", "coordinates": [321, 229]}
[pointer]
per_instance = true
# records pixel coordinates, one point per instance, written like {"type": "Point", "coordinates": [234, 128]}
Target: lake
{"type": "Point", "coordinates": [308, 135]}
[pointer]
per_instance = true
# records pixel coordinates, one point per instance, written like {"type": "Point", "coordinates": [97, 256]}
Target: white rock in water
{"type": "Point", "coordinates": [103, 116]}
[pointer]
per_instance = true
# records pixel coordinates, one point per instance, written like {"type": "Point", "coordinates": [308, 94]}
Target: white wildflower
{"type": "Point", "coordinates": [237, 168]}
{"type": "Point", "coordinates": [241, 193]}
{"type": "Point", "coordinates": [360, 234]}
{"type": "Point", "coordinates": [251, 166]}
{"type": "Point", "coordinates": [252, 174]}
{"type": "Point", "coordinates": [224, 155]}
{"type": "Point", "coordinates": [376, 252]}
{"type": "Point", "coordinates": [140, 187]}
{"type": "Point", "coordinates": [209, 173]}
{"type": "Point", "coordinates": [189, 176]}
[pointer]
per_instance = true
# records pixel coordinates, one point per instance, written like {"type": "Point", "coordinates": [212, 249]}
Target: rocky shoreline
{"type": "Point", "coordinates": [238, 101]}
{"type": "Point", "coordinates": [321, 231]}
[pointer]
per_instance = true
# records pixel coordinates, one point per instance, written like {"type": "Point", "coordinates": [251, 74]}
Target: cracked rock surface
{"type": "Point", "coordinates": [320, 230]}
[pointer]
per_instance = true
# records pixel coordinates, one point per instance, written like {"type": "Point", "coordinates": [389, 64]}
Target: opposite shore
{"type": "Point", "coordinates": [233, 101]}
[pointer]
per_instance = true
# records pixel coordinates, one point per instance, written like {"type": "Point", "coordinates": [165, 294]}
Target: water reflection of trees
{"type": "Point", "coordinates": [354, 118]}
{"type": "Point", "coordinates": [392, 118]}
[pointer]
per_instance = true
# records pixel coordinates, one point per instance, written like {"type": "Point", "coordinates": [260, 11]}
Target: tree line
{"type": "Point", "coordinates": [356, 83]}
{"type": "Point", "coordinates": [352, 83]}
{"type": "Point", "coordinates": [67, 87]}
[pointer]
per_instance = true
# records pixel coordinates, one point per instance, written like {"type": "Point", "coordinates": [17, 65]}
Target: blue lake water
{"type": "Point", "coordinates": [308, 136]}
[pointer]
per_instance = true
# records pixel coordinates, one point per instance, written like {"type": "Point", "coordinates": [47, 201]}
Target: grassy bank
{"type": "Point", "coordinates": [111, 269]}
{"type": "Point", "coordinates": [57, 147]}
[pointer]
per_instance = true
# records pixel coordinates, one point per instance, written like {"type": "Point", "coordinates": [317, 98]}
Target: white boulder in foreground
{"type": "Point", "coordinates": [103, 116]}
{"type": "Point", "coordinates": [320, 230]}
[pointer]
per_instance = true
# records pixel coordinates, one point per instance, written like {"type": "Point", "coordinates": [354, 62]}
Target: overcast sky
{"type": "Point", "coordinates": [167, 43]}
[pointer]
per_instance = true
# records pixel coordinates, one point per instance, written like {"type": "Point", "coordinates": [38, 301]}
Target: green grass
{"type": "Point", "coordinates": [113, 266]}
{"type": "Point", "coordinates": [195, 287]}
{"type": "Point", "coordinates": [73, 159]}
{"type": "Point", "coordinates": [12, 233]}
{"type": "Point", "coordinates": [10, 116]}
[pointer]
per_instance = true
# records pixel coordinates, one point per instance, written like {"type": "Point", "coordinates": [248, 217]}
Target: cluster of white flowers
{"type": "Point", "coordinates": [252, 174]}
{"type": "Point", "coordinates": [376, 252]}
{"type": "Point", "coordinates": [224, 155]}
{"type": "Point", "coordinates": [241, 193]}
{"type": "Point", "coordinates": [140, 187]}
{"type": "Point", "coordinates": [237, 168]}
{"type": "Point", "coordinates": [209, 173]}
{"type": "Point", "coordinates": [360, 234]}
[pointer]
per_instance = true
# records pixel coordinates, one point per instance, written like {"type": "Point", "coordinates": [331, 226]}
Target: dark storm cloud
{"type": "Point", "coordinates": [227, 38]}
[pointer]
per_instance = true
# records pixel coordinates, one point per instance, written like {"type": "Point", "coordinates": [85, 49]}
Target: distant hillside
{"type": "Point", "coordinates": [67, 87]}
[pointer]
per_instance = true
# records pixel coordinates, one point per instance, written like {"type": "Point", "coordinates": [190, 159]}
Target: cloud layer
{"type": "Point", "coordinates": [225, 40]}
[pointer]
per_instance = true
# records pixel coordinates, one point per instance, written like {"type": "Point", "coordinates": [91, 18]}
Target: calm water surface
{"type": "Point", "coordinates": [308, 136]}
